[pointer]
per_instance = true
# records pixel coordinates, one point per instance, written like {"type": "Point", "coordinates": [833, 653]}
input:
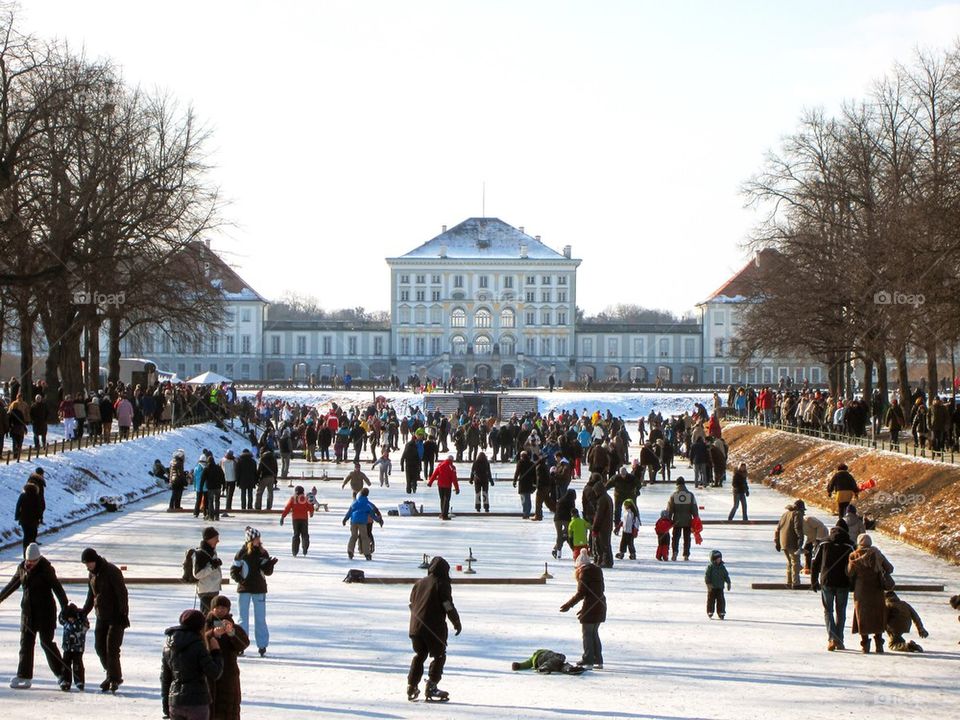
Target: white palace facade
{"type": "Point", "coordinates": [481, 299]}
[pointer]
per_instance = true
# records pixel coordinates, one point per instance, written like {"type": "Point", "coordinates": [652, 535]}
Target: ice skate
{"type": "Point", "coordinates": [435, 694]}
{"type": "Point", "coordinates": [19, 683]}
{"type": "Point", "coordinates": [413, 692]}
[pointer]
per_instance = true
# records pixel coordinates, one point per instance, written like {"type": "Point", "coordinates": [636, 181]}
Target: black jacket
{"type": "Point", "coordinates": [480, 472]}
{"type": "Point", "coordinates": [213, 478]}
{"type": "Point", "coordinates": [246, 471]}
{"type": "Point", "coordinates": [40, 586]}
{"type": "Point", "coordinates": [525, 476]}
{"type": "Point", "coordinates": [250, 569]}
{"type": "Point", "coordinates": [29, 510]}
{"type": "Point", "coordinates": [409, 458]}
{"type": "Point", "coordinates": [739, 483]}
{"type": "Point", "coordinates": [267, 467]}
{"type": "Point", "coordinates": [565, 507]}
{"type": "Point", "coordinates": [431, 603]}
{"type": "Point", "coordinates": [829, 566]}
{"type": "Point", "coordinates": [108, 595]}
{"type": "Point", "coordinates": [186, 667]}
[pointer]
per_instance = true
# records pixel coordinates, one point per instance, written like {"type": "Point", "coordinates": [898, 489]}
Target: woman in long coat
{"type": "Point", "coordinates": [865, 568]}
{"type": "Point", "coordinates": [225, 690]}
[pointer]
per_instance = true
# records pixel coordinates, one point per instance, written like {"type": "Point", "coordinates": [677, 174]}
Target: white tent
{"type": "Point", "coordinates": [208, 378]}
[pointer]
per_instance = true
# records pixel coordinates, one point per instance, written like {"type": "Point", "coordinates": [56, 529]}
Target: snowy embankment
{"type": "Point", "coordinates": [76, 480]}
{"type": "Point", "coordinates": [630, 406]}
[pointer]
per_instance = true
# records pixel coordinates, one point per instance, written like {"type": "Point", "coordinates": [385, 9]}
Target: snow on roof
{"type": "Point", "coordinates": [744, 283]}
{"type": "Point", "coordinates": [484, 238]}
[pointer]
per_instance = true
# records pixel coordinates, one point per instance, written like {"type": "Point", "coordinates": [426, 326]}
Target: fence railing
{"type": "Point", "coordinates": [909, 449]}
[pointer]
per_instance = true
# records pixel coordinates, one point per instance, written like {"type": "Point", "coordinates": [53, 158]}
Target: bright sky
{"type": "Point", "coordinates": [346, 132]}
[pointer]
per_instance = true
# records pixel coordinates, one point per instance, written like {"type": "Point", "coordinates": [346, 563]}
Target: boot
{"type": "Point", "coordinates": [19, 683]}
{"type": "Point", "coordinates": [865, 644]}
{"type": "Point", "coordinates": [435, 694]}
{"type": "Point", "coordinates": [878, 641]}
{"type": "Point", "coordinates": [413, 692]}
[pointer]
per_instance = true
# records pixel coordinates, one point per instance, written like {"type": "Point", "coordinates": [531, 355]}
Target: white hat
{"type": "Point", "coordinates": [583, 559]}
{"type": "Point", "coordinates": [32, 552]}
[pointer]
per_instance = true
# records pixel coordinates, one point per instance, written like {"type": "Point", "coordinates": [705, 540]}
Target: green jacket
{"type": "Point", "coordinates": [578, 531]}
{"type": "Point", "coordinates": [716, 576]}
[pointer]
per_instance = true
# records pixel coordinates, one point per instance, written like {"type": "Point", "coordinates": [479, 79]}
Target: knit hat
{"type": "Point", "coordinates": [89, 555]}
{"type": "Point", "coordinates": [664, 513]}
{"type": "Point", "coordinates": [716, 554]}
{"type": "Point", "coordinates": [230, 454]}
{"type": "Point", "coordinates": [39, 471]}
{"type": "Point", "coordinates": [221, 601]}
{"type": "Point", "coordinates": [864, 540]}
{"type": "Point", "coordinates": [32, 552]}
{"type": "Point", "coordinates": [583, 559]}
{"type": "Point", "coordinates": [251, 533]}
{"type": "Point", "coordinates": [192, 620]}
{"type": "Point", "coordinates": [209, 533]}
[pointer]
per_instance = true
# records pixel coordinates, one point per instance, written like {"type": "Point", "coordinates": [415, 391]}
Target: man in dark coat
{"type": "Point", "coordinates": [38, 614]}
{"type": "Point", "coordinates": [411, 462]}
{"type": "Point", "coordinates": [682, 507]}
{"type": "Point", "coordinates": [40, 419]}
{"type": "Point", "coordinates": [626, 486]}
{"type": "Point", "coordinates": [108, 596]}
{"type": "Point", "coordinates": [266, 477]}
{"type": "Point", "coordinates": [828, 575]}
{"type": "Point", "coordinates": [603, 526]}
{"type": "Point", "coordinates": [187, 666]}
{"type": "Point", "coordinates": [431, 604]}
{"type": "Point", "coordinates": [28, 513]}
{"type": "Point", "coordinates": [212, 481]}
{"type": "Point", "coordinates": [525, 481]}
{"type": "Point", "coordinates": [225, 691]}
{"type": "Point", "coordinates": [593, 611]}
{"type": "Point", "coordinates": [246, 478]}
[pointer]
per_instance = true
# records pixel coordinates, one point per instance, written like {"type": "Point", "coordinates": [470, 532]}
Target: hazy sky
{"type": "Point", "coordinates": [346, 132]}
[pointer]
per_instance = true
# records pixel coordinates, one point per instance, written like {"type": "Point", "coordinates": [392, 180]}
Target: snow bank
{"type": "Point", "coordinates": [76, 480]}
{"type": "Point", "coordinates": [629, 405]}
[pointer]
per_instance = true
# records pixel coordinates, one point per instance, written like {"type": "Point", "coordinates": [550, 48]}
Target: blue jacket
{"type": "Point", "coordinates": [198, 478]}
{"type": "Point", "coordinates": [360, 510]}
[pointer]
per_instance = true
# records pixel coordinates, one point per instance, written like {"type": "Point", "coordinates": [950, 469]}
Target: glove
{"type": "Point", "coordinates": [381, 523]}
{"type": "Point", "coordinates": [491, 482]}
{"type": "Point", "coordinates": [778, 547]}
{"type": "Point", "coordinates": [344, 522]}
{"type": "Point", "coordinates": [458, 627]}
{"type": "Point", "coordinates": [514, 483]}
{"type": "Point", "coordinates": [281, 522]}
{"type": "Point", "coordinates": [728, 586]}
{"type": "Point", "coordinates": [216, 562]}
{"type": "Point", "coordinates": [923, 633]}
{"type": "Point", "coordinates": [815, 587]}
{"type": "Point", "coordinates": [563, 608]}
{"type": "Point", "coordinates": [617, 531]}
{"type": "Point", "coordinates": [457, 491]}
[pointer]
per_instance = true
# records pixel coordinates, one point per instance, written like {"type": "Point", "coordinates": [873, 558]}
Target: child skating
{"type": "Point", "coordinates": [716, 576]}
{"type": "Point", "coordinates": [662, 528]}
{"type": "Point", "coordinates": [578, 534]}
{"type": "Point", "coordinates": [628, 528]}
{"type": "Point", "coordinates": [386, 466]}
{"type": "Point", "coordinates": [75, 626]}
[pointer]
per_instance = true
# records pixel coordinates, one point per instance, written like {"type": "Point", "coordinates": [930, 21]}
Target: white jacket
{"type": "Point", "coordinates": [209, 578]}
{"type": "Point", "coordinates": [630, 522]}
{"type": "Point", "coordinates": [229, 468]}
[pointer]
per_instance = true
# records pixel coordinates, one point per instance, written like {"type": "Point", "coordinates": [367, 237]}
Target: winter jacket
{"type": "Point", "coordinates": [813, 530]}
{"type": "Point", "coordinates": [267, 467]}
{"type": "Point", "coordinates": [360, 510]}
{"type": "Point", "coordinates": [410, 457]}
{"type": "Point", "coordinates": [843, 484]}
{"type": "Point", "coordinates": [108, 595]}
{"type": "Point", "coordinates": [124, 410]}
{"type": "Point", "coordinates": [789, 532]}
{"type": "Point", "coordinates": [739, 483]}
{"type": "Point", "coordinates": [356, 479]}
{"type": "Point", "coordinates": [250, 569]}
{"type": "Point", "coordinates": [565, 507]}
{"type": "Point", "coordinates": [212, 478]}
{"type": "Point", "coordinates": [298, 507]}
{"type": "Point", "coordinates": [869, 607]}
{"type": "Point", "coordinates": [185, 669]}
{"type": "Point", "coordinates": [525, 476]}
{"type": "Point", "coordinates": [629, 522]}
{"type": "Point", "coordinates": [716, 575]}
{"type": "Point", "coordinates": [431, 603]}
{"type": "Point", "coordinates": [229, 468]}
{"type": "Point", "coordinates": [40, 588]}
{"type": "Point", "coordinates": [900, 615]}
{"type": "Point", "coordinates": [662, 529]}
{"type": "Point", "coordinates": [246, 470]}
{"type": "Point", "coordinates": [28, 511]}
{"type": "Point", "coordinates": [39, 416]}
{"type": "Point", "coordinates": [445, 475]}
{"type": "Point", "coordinates": [625, 487]}
{"type": "Point", "coordinates": [603, 516]}
{"type": "Point", "coordinates": [855, 524]}
{"type": "Point", "coordinates": [225, 690]}
{"type": "Point", "coordinates": [207, 569]}
{"type": "Point", "coordinates": [590, 591]}
{"type": "Point", "coordinates": [480, 473]}
{"type": "Point", "coordinates": [699, 454]}
{"type": "Point", "coordinates": [829, 565]}
{"type": "Point", "coordinates": [578, 531]}
{"type": "Point", "coordinates": [682, 507]}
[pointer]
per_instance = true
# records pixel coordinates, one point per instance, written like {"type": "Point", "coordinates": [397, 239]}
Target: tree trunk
{"type": "Point", "coordinates": [883, 381]}
{"type": "Point", "coordinates": [113, 348]}
{"type": "Point", "coordinates": [867, 379]}
{"type": "Point", "coordinates": [92, 354]}
{"type": "Point", "coordinates": [932, 380]}
{"type": "Point", "coordinates": [903, 377]}
{"type": "Point", "coordinates": [26, 349]}
{"type": "Point", "coordinates": [834, 377]}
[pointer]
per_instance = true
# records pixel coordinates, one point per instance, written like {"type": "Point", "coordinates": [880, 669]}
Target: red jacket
{"type": "Point", "coordinates": [299, 507]}
{"type": "Point", "coordinates": [446, 476]}
{"type": "Point", "coordinates": [663, 526]}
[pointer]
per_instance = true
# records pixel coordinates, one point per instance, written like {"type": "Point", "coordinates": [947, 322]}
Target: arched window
{"type": "Point", "coordinates": [483, 318]}
{"type": "Point", "coordinates": [508, 318]}
{"type": "Point", "coordinates": [458, 318]}
{"type": "Point", "coordinates": [482, 345]}
{"type": "Point", "coordinates": [458, 345]}
{"type": "Point", "coordinates": [420, 315]}
{"type": "Point", "coordinates": [508, 345]}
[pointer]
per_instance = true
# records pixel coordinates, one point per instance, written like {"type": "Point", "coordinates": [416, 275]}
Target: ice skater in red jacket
{"type": "Point", "coordinates": [301, 509]}
{"type": "Point", "coordinates": [662, 528]}
{"type": "Point", "coordinates": [445, 475]}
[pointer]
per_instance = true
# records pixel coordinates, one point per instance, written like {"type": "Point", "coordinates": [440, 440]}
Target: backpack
{"type": "Point", "coordinates": [188, 576]}
{"type": "Point", "coordinates": [354, 576]}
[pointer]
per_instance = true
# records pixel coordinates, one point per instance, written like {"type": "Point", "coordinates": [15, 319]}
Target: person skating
{"type": "Point", "coordinates": [445, 475]}
{"type": "Point", "coordinates": [246, 478]}
{"type": "Point", "coordinates": [356, 479]}
{"type": "Point", "coordinates": [108, 597]}
{"type": "Point", "coordinates": [38, 615]}
{"type": "Point", "coordinates": [715, 577]}
{"type": "Point", "coordinates": [482, 480]}
{"type": "Point", "coordinates": [900, 615]}
{"type": "Point", "coordinates": [845, 486]}
{"type": "Point", "coordinates": [411, 460]}
{"type": "Point", "coordinates": [682, 507]}
{"type": "Point", "coordinates": [207, 568]}
{"type": "Point", "coordinates": [359, 514]}
{"type": "Point", "coordinates": [301, 510]}
{"type": "Point", "coordinates": [385, 466]}
{"type": "Point", "coordinates": [662, 529]}
{"type": "Point", "coordinates": [628, 527]}
{"type": "Point", "coordinates": [187, 666]}
{"type": "Point", "coordinates": [741, 491]}
{"type": "Point", "coordinates": [590, 590]}
{"type": "Point", "coordinates": [73, 643]}
{"type": "Point", "coordinates": [788, 539]}
{"type": "Point", "coordinates": [251, 567]}
{"type": "Point", "coordinates": [524, 480]}
{"type": "Point", "coordinates": [28, 513]}
{"type": "Point", "coordinates": [562, 517]}
{"type": "Point", "coordinates": [431, 605]}
{"type": "Point", "coordinates": [828, 576]}
{"type": "Point", "coordinates": [225, 691]}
